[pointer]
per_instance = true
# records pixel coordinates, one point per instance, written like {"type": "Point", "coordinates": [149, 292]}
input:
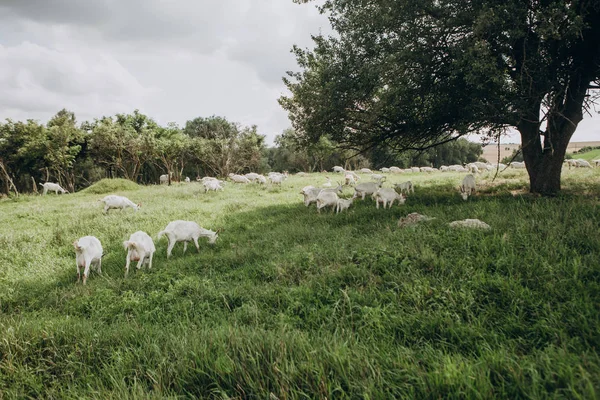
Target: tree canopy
{"type": "Point", "coordinates": [412, 74]}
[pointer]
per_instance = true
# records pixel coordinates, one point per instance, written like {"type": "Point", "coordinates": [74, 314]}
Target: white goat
{"type": "Point", "coordinates": [186, 231]}
{"type": "Point", "coordinates": [581, 163]}
{"type": "Point", "coordinates": [114, 201]}
{"type": "Point", "coordinates": [310, 194]}
{"type": "Point", "coordinates": [277, 179]}
{"type": "Point", "coordinates": [212, 185]}
{"type": "Point", "coordinates": [238, 178]}
{"type": "Point", "coordinates": [327, 183]}
{"type": "Point", "coordinates": [165, 178]}
{"type": "Point", "coordinates": [473, 168]}
{"type": "Point", "coordinates": [405, 187]}
{"type": "Point", "coordinates": [187, 179]}
{"type": "Point", "coordinates": [385, 170]}
{"type": "Point", "coordinates": [365, 171]}
{"type": "Point", "coordinates": [261, 179]}
{"type": "Point", "coordinates": [343, 204]}
{"type": "Point", "coordinates": [467, 187]}
{"type": "Point", "coordinates": [140, 248]}
{"type": "Point", "coordinates": [253, 176]}
{"type": "Point", "coordinates": [53, 187]}
{"type": "Point", "coordinates": [365, 188]}
{"type": "Point", "coordinates": [349, 179]}
{"type": "Point", "coordinates": [327, 198]}
{"type": "Point", "coordinates": [396, 170]}
{"type": "Point", "coordinates": [387, 196]}
{"type": "Point", "coordinates": [338, 169]}
{"type": "Point", "coordinates": [88, 251]}
{"type": "Point", "coordinates": [378, 178]}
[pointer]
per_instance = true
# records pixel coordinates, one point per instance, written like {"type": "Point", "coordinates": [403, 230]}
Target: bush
{"type": "Point", "coordinates": [517, 154]}
{"type": "Point", "coordinates": [111, 185]}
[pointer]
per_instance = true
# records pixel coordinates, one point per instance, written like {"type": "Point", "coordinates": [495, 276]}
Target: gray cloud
{"type": "Point", "coordinates": [174, 60]}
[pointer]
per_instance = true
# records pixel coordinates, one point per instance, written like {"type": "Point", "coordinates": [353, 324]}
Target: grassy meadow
{"type": "Point", "coordinates": [294, 304]}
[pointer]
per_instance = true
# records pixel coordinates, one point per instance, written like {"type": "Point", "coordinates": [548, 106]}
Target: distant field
{"type": "Point", "coordinates": [588, 155]}
{"type": "Point", "coordinates": [294, 304]}
{"type": "Point", "coordinates": [490, 152]}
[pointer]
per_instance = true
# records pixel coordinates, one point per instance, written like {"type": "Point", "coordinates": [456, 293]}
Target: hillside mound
{"type": "Point", "coordinates": [111, 185]}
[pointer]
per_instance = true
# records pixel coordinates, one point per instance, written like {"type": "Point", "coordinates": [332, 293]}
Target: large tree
{"type": "Point", "coordinates": [409, 74]}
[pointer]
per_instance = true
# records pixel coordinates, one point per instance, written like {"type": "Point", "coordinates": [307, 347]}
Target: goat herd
{"type": "Point", "coordinates": [140, 246]}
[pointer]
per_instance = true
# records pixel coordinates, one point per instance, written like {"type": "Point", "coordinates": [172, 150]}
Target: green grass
{"type": "Point", "coordinates": [295, 304]}
{"type": "Point", "coordinates": [588, 155]}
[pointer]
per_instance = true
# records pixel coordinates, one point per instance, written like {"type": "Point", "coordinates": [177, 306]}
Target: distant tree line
{"type": "Point", "coordinates": [135, 147]}
{"type": "Point", "coordinates": [131, 146]}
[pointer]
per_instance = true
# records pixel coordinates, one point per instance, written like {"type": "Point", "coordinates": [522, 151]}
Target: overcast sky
{"type": "Point", "coordinates": [172, 60]}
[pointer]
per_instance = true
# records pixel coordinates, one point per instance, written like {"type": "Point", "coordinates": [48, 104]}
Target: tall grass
{"type": "Point", "coordinates": [295, 304]}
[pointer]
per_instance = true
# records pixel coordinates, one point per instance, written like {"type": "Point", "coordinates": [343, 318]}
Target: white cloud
{"type": "Point", "coordinates": [36, 82]}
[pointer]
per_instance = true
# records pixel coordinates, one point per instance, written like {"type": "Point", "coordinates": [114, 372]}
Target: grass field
{"type": "Point", "coordinates": [588, 155]}
{"type": "Point", "coordinates": [295, 304]}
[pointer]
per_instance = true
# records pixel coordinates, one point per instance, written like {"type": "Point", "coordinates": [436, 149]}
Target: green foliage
{"type": "Point", "coordinates": [290, 303]}
{"type": "Point", "coordinates": [111, 185]}
{"type": "Point", "coordinates": [131, 146]}
{"type": "Point", "coordinates": [587, 149]}
{"type": "Point", "coordinates": [517, 155]}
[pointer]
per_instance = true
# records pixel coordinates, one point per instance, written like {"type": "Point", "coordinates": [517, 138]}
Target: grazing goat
{"type": "Point", "coordinates": [349, 179]}
{"type": "Point", "coordinates": [327, 198]}
{"type": "Point", "coordinates": [140, 248]}
{"type": "Point", "coordinates": [114, 201]}
{"type": "Point", "coordinates": [252, 176]}
{"type": "Point", "coordinates": [238, 178]}
{"type": "Point", "coordinates": [186, 231]}
{"type": "Point", "coordinates": [310, 194]}
{"type": "Point", "coordinates": [405, 187]}
{"type": "Point", "coordinates": [378, 178]}
{"type": "Point", "coordinates": [277, 179]}
{"type": "Point", "coordinates": [338, 169]}
{"type": "Point", "coordinates": [343, 204]}
{"type": "Point", "coordinates": [88, 251]}
{"type": "Point", "coordinates": [467, 187]}
{"type": "Point", "coordinates": [385, 170]}
{"type": "Point", "coordinates": [261, 179]}
{"type": "Point", "coordinates": [396, 170]}
{"type": "Point", "coordinates": [581, 163]}
{"type": "Point", "coordinates": [365, 171]}
{"type": "Point", "coordinates": [212, 185]}
{"type": "Point", "coordinates": [365, 188]}
{"type": "Point", "coordinates": [53, 187]}
{"type": "Point", "coordinates": [473, 168]}
{"type": "Point", "coordinates": [387, 196]}
{"type": "Point", "coordinates": [165, 178]}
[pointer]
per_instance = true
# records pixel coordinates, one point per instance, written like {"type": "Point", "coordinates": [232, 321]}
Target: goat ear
{"type": "Point", "coordinates": [75, 245]}
{"type": "Point", "coordinates": [139, 204]}
{"type": "Point", "coordinates": [219, 231]}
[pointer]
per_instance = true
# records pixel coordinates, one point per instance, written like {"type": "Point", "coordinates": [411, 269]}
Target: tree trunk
{"type": "Point", "coordinates": [544, 164]}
